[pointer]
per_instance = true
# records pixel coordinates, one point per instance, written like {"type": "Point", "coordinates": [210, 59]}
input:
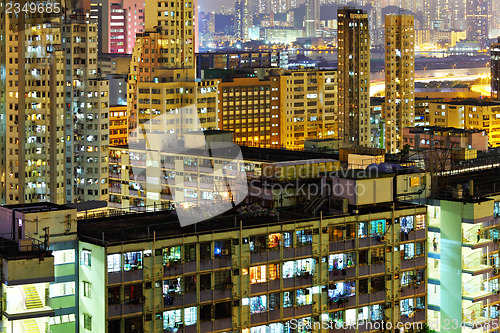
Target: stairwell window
{"type": "Point", "coordinates": [87, 287]}
{"type": "Point", "coordinates": [85, 258]}
{"type": "Point", "coordinates": [87, 322]}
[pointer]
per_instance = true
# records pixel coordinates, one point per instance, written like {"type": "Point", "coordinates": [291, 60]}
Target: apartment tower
{"type": "Point", "coordinates": [32, 110]}
{"type": "Point", "coordinates": [312, 17]}
{"type": "Point", "coordinates": [495, 70]}
{"type": "Point", "coordinates": [353, 77]}
{"type": "Point", "coordinates": [399, 79]}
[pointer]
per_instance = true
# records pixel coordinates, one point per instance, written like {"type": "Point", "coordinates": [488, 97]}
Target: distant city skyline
{"type": "Point", "coordinates": [216, 6]}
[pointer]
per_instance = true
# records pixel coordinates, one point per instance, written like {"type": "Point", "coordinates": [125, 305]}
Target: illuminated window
{"type": "Point", "coordinates": [420, 221]}
{"type": "Point", "coordinates": [304, 296]}
{"type": "Point", "coordinates": [274, 272]}
{"type": "Point", "coordinates": [406, 306]}
{"type": "Point", "coordinates": [406, 223]}
{"type": "Point", "coordinates": [288, 299]}
{"type": "Point", "coordinates": [304, 237]}
{"type": "Point", "coordinates": [61, 289]}
{"type": "Point", "coordinates": [258, 274]}
{"type": "Point", "coordinates": [64, 257]}
{"type": "Point", "coordinates": [114, 263]}
{"type": "Point", "coordinates": [341, 260]}
{"type": "Point", "coordinates": [335, 233]}
{"type": "Point", "coordinates": [377, 228]}
{"type": "Point", "coordinates": [132, 260]}
{"type": "Point", "coordinates": [274, 240]}
{"type": "Point", "coordinates": [190, 316]}
{"type": "Point", "coordinates": [172, 319]}
{"type": "Point", "coordinates": [172, 286]}
{"type": "Point", "coordinates": [363, 229]}
{"type": "Point", "coordinates": [414, 181]}
{"type": "Point", "coordinates": [408, 250]}
{"type": "Point", "coordinates": [171, 255]}
{"type": "Point", "coordinates": [258, 304]}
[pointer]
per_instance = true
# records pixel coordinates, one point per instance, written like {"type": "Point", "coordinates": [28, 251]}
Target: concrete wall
{"type": "Point", "coordinates": [451, 265]}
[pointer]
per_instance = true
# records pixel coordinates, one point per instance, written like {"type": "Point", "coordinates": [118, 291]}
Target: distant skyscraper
{"type": "Point", "coordinates": [312, 17]}
{"type": "Point", "coordinates": [353, 76]}
{"type": "Point", "coordinates": [478, 14]}
{"type": "Point", "coordinates": [495, 70]}
{"type": "Point", "coordinates": [399, 105]}
{"type": "Point", "coordinates": [243, 19]}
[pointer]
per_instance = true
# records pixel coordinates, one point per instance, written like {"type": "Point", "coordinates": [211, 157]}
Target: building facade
{"type": "Point", "coordinates": [445, 138]}
{"type": "Point", "coordinates": [495, 70]}
{"type": "Point", "coordinates": [308, 106]}
{"type": "Point", "coordinates": [468, 114]}
{"type": "Point", "coordinates": [399, 107]}
{"type": "Point", "coordinates": [87, 114]}
{"type": "Point", "coordinates": [353, 77]}
{"type": "Point", "coordinates": [32, 108]}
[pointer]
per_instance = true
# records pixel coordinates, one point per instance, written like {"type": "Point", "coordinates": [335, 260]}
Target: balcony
{"type": "Point", "coordinates": [475, 266]}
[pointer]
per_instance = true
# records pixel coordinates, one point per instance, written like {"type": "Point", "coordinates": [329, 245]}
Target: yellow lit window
{"type": "Point", "coordinates": [274, 272]}
{"type": "Point", "coordinates": [258, 274]}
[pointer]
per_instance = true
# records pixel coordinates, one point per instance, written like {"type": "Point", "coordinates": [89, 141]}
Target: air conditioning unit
{"type": "Point", "coordinates": [383, 238]}
{"type": "Point", "coordinates": [225, 252]}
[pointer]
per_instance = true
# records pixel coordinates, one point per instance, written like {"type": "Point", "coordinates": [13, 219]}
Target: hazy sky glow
{"type": "Point", "coordinates": [216, 5]}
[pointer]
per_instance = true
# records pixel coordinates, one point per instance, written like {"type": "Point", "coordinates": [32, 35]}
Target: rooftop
{"type": "Point", "coordinates": [248, 153]}
{"type": "Point", "coordinates": [422, 129]}
{"type": "Point", "coordinates": [473, 102]}
{"type": "Point", "coordinates": [36, 207]}
{"type": "Point", "coordinates": [164, 225]}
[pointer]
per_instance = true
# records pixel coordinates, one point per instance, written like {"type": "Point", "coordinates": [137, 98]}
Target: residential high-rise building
{"type": "Point", "coordinates": [398, 110]}
{"type": "Point", "coordinates": [87, 116]}
{"type": "Point", "coordinates": [119, 22]}
{"type": "Point", "coordinates": [250, 107]}
{"type": "Point", "coordinates": [99, 13]}
{"type": "Point", "coordinates": [163, 54]}
{"type": "Point", "coordinates": [353, 77]}
{"type": "Point", "coordinates": [32, 110]}
{"type": "Point", "coordinates": [117, 28]}
{"type": "Point", "coordinates": [495, 70]}
{"type": "Point", "coordinates": [308, 100]}
{"type": "Point", "coordinates": [312, 17]}
{"type": "Point", "coordinates": [478, 16]}
{"type": "Point", "coordinates": [242, 19]}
